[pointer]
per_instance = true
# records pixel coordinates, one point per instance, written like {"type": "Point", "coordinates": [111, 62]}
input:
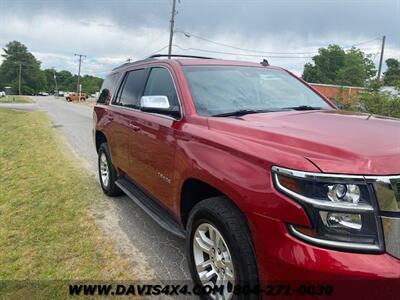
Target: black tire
{"type": "Point", "coordinates": [110, 189]}
{"type": "Point", "coordinates": [221, 213]}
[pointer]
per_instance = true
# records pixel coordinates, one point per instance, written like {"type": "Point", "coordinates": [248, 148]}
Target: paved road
{"type": "Point", "coordinates": [164, 252]}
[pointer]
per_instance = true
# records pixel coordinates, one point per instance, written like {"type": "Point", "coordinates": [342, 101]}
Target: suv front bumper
{"type": "Point", "coordinates": [283, 259]}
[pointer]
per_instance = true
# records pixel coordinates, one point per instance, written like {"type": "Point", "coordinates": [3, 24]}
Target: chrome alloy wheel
{"type": "Point", "coordinates": [213, 260]}
{"type": "Point", "coordinates": [104, 171]}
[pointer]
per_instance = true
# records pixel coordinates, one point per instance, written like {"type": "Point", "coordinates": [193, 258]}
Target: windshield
{"type": "Point", "coordinates": [218, 90]}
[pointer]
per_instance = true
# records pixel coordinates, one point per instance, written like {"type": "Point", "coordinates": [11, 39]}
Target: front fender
{"type": "Point", "coordinates": [245, 180]}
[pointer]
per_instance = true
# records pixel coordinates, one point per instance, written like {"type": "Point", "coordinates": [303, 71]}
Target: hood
{"type": "Point", "coordinates": [335, 141]}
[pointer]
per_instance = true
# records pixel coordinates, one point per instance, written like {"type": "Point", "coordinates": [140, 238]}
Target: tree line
{"type": "Point", "coordinates": [334, 65]}
{"type": "Point", "coordinates": [18, 60]}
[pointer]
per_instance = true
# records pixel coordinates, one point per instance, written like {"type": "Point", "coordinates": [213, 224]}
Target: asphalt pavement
{"type": "Point", "coordinates": [162, 250]}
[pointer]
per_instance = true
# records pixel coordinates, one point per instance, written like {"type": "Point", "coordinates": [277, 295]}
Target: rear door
{"type": "Point", "coordinates": [122, 112]}
{"type": "Point", "coordinates": [155, 144]}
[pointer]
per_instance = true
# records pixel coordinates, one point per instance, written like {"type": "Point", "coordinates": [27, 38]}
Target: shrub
{"type": "Point", "coordinates": [379, 103]}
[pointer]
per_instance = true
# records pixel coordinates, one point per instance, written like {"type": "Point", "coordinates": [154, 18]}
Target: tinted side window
{"type": "Point", "coordinates": [106, 87]}
{"type": "Point", "coordinates": [160, 83]}
{"type": "Point", "coordinates": [132, 88]}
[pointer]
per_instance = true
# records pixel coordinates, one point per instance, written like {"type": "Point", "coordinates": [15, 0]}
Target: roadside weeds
{"type": "Point", "coordinates": [15, 99]}
{"type": "Point", "coordinates": [51, 211]}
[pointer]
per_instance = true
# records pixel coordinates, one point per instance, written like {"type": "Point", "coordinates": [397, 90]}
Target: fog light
{"type": "Point", "coordinates": [345, 221]}
{"type": "Point", "coordinates": [344, 192]}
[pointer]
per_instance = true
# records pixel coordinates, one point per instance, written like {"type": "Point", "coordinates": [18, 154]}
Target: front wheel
{"type": "Point", "coordinates": [219, 248]}
{"type": "Point", "coordinates": [107, 173]}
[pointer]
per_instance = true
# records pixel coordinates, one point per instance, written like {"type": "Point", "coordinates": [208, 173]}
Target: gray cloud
{"type": "Point", "coordinates": [111, 31]}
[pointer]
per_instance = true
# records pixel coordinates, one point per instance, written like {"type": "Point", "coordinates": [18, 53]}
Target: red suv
{"type": "Point", "coordinates": [268, 182]}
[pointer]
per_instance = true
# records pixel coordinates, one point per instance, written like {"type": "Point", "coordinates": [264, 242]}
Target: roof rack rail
{"type": "Point", "coordinates": [179, 55]}
{"type": "Point", "coordinates": [161, 55]}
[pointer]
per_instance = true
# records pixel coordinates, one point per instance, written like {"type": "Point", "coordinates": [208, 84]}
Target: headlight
{"type": "Point", "coordinates": [342, 209]}
{"type": "Point", "coordinates": [344, 192]}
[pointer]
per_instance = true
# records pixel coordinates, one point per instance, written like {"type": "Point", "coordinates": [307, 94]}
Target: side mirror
{"type": "Point", "coordinates": [154, 103]}
{"type": "Point", "coordinates": [104, 96]}
{"type": "Point", "coordinates": [159, 105]}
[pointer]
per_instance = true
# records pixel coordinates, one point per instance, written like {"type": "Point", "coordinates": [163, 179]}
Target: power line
{"type": "Point", "coordinates": [242, 54]}
{"type": "Point", "coordinates": [189, 34]}
{"type": "Point", "coordinates": [235, 53]}
{"type": "Point", "coordinates": [366, 42]}
{"type": "Point", "coordinates": [155, 52]}
{"type": "Point", "coordinates": [374, 56]}
{"type": "Point", "coordinates": [129, 60]}
{"type": "Point", "coordinates": [370, 49]}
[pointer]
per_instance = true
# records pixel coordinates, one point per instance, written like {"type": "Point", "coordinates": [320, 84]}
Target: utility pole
{"type": "Point", "coordinates": [171, 29]}
{"type": "Point", "coordinates": [381, 59]}
{"type": "Point", "coordinates": [55, 81]}
{"type": "Point", "coordinates": [19, 79]}
{"type": "Point", "coordinates": [79, 74]}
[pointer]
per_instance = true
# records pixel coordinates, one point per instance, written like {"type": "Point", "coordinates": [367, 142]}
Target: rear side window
{"type": "Point", "coordinates": [160, 83]}
{"type": "Point", "coordinates": [106, 87]}
{"type": "Point", "coordinates": [132, 89]}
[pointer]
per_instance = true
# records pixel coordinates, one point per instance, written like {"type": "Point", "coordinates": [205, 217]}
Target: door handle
{"type": "Point", "coordinates": [134, 127]}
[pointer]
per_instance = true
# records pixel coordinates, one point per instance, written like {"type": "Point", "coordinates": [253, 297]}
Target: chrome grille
{"type": "Point", "coordinates": [391, 229]}
{"type": "Point", "coordinates": [387, 190]}
{"type": "Point", "coordinates": [398, 189]}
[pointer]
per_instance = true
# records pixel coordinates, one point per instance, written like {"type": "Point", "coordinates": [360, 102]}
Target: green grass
{"type": "Point", "coordinates": [15, 99]}
{"type": "Point", "coordinates": [48, 211]}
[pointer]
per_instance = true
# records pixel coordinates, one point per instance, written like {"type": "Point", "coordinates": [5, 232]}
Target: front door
{"type": "Point", "coordinates": [156, 143]}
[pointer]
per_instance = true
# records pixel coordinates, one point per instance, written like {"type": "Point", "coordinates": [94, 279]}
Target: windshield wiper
{"type": "Point", "coordinates": [242, 112]}
{"type": "Point", "coordinates": [304, 107]}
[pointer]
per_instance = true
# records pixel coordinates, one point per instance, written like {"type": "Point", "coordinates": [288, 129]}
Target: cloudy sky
{"type": "Point", "coordinates": [287, 32]}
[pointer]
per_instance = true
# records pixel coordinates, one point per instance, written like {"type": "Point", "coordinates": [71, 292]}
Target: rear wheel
{"type": "Point", "coordinates": [107, 173]}
{"type": "Point", "coordinates": [219, 248]}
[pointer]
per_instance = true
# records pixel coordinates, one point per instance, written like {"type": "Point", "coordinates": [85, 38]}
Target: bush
{"type": "Point", "coordinates": [380, 104]}
{"type": "Point", "coordinates": [373, 102]}
{"type": "Point", "coordinates": [351, 105]}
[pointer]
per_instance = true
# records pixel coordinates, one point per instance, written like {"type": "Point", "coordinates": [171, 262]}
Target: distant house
{"type": "Point", "coordinates": [345, 94]}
